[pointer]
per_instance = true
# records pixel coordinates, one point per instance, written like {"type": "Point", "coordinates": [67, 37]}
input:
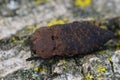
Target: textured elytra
{"type": "Point", "coordinates": [77, 38]}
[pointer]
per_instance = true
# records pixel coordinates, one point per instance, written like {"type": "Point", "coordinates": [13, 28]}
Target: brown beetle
{"type": "Point", "coordinates": [77, 38]}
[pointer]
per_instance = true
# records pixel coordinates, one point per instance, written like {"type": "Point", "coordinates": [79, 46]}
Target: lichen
{"type": "Point", "coordinates": [38, 2]}
{"type": "Point", "coordinates": [57, 21]}
{"type": "Point", "coordinates": [82, 3]}
{"type": "Point", "coordinates": [36, 68]}
{"type": "Point", "coordinates": [89, 77]}
{"type": "Point", "coordinates": [101, 69]}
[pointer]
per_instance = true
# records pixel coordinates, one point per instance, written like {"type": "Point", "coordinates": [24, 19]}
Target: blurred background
{"type": "Point", "coordinates": [82, 8]}
{"type": "Point", "coordinates": [16, 14]}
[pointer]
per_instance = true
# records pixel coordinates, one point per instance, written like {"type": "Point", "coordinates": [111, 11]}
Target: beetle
{"type": "Point", "coordinates": [70, 39]}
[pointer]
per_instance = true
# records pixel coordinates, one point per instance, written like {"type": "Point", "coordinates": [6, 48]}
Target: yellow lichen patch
{"type": "Point", "coordinates": [14, 40]}
{"type": "Point", "coordinates": [36, 69]}
{"type": "Point", "coordinates": [35, 28]}
{"type": "Point", "coordinates": [110, 59]}
{"type": "Point", "coordinates": [98, 78]}
{"type": "Point", "coordinates": [103, 27]}
{"type": "Point", "coordinates": [101, 69]}
{"type": "Point", "coordinates": [57, 21]}
{"type": "Point", "coordinates": [37, 2]}
{"type": "Point", "coordinates": [43, 69]}
{"type": "Point", "coordinates": [118, 32]}
{"type": "Point", "coordinates": [89, 77]}
{"type": "Point", "coordinates": [82, 3]}
{"type": "Point", "coordinates": [63, 61]}
{"type": "Point", "coordinates": [32, 27]}
{"type": "Point", "coordinates": [118, 45]}
{"type": "Point", "coordinates": [64, 67]}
